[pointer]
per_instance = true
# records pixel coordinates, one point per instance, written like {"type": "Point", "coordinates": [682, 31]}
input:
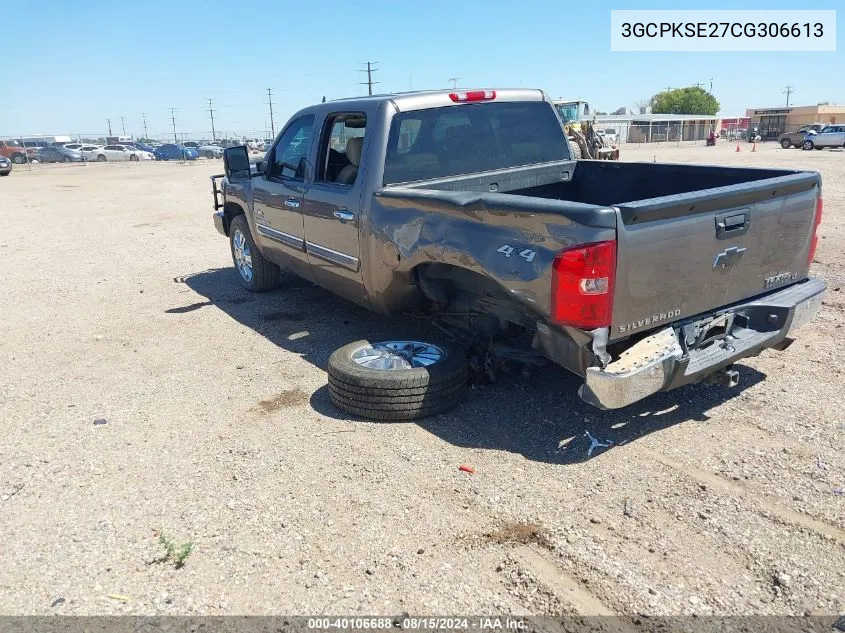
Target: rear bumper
{"type": "Point", "coordinates": [219, 223]}
{"type": "Point", "coordinates": [659, 362]}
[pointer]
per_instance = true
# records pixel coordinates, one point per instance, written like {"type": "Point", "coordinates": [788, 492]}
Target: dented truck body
{"type": "Point", "coordinates": [639, 277]}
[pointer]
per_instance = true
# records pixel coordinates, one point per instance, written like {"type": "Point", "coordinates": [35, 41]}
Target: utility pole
{"type": "Point", "coordinates": [668, 88]}
{"type": "Point", "coordinates": [211, 114]}
{"type": "Point", "coordinates": [109, 120]}
{"type": "Point", "coordinates": [711, 85]}
{"type": "Point", "coordinates": [123, 125]}
{"type": "Point", "coordinates": [454, 81]}
{"type": "Point", "coordinates": [789, 90]}
{"type": "Point", "coordinates": [369, 83]}
{"type": "Point", "coordinates": [173, 119]}
{"type": "Point", "coordinates": [144, 118]}
{"type": "Point", "coordinates": [270, 101]}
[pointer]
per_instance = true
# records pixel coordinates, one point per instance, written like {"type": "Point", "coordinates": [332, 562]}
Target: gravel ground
{"type": "Point", "coordinates": [120, 304]}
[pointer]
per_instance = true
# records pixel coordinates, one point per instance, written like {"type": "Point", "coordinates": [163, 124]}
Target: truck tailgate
{"type": "Point", "coordinates": [690, 253]}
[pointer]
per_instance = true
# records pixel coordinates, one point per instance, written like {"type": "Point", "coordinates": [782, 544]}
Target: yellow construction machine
{"type": "Point", "coordinates": [584, 141]}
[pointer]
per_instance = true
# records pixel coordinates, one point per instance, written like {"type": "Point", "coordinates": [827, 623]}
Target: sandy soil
{"type": "Point", "coordinates": [119, 303]}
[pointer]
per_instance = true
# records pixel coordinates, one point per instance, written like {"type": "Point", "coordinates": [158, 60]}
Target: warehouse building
{"type": "Point", "coordinates": [772, 122]}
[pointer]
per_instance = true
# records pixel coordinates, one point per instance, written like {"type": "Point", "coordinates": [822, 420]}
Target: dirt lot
{"type": "Point", "coordinates": [119, 303]}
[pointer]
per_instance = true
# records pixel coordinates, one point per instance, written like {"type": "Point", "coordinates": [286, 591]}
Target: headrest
{"type": "Point", "coordinates": [353, 150]}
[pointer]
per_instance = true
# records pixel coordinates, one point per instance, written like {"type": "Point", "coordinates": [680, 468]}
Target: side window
{"type": "Point", "coordinates": [289, 157]}
{"type": "Point", "coordinates": [340, 148]}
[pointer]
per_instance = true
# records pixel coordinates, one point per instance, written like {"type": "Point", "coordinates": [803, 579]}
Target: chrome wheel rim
{"type": "Point", "coordinates": [242, 254]}
{"type": "Point", "coordinates": [397, 355]}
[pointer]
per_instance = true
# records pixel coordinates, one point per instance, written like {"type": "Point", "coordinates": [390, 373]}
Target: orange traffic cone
{"type": "Point", "coordinates": [738, 148]}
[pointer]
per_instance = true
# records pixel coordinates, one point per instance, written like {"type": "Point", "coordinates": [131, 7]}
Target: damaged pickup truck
{"type": "Point", "coordinates": [467, 207]}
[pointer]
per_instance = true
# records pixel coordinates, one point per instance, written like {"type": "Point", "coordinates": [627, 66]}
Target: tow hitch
{"type": "Point", "coordinates": [726, 377]}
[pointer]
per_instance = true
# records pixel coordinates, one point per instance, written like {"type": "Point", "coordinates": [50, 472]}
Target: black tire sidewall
{"type": "Point", "coordinates": [785, 144]}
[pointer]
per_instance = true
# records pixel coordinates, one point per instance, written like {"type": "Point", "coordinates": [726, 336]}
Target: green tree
{"type": "Point", "coordinates": [691, 100]}
{"type": "Point", "coordinates": [622, 110]}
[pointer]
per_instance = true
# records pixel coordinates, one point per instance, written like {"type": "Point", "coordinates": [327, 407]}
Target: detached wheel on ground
{"type": "Point", "coordinates": [254, 272]}
{"type": "Point", "coordinates": [397, 380]}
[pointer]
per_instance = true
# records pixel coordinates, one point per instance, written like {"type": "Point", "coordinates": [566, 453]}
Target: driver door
{"type": "Point", "coordinates": [278, 197]}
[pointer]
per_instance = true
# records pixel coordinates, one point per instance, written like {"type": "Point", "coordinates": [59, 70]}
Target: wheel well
{"type": "Point", "coordinates": [458, 290]}
{"type": "Point", "coordinates": [230, 211]}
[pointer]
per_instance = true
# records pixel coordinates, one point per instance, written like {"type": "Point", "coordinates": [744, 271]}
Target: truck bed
{"type": "Point", "coordinates": [690, 239]}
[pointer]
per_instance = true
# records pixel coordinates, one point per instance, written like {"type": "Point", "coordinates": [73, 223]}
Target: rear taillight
{"type": "Point", "coordinates": [815, 239]}
{"type": "Point", "coordinates": [582, 285]}
{"type": "Point", "coordinates": [472, 95]}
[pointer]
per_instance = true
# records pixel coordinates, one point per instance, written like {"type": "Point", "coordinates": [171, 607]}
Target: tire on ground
{"type": "Point", "coordinates": [265, 274]}
{"type": "Point", "coordinates": [405, 394]}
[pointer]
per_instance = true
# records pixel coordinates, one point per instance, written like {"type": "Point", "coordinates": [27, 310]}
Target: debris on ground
{"type": "Point", "coordinates": [519, 532]}
{"type": "Point", "coordinates": [595, 443]}
{"type": "Point", "coordinates": [466, 469]}
{"type": "Point", "coordinates": [629, 508]}
{"type": "Point", "coordinates": [57, 602]}
{"type": "Point", "coordinates": [100, 421]}
{"type": "Point", "coordinates": [119, 596]}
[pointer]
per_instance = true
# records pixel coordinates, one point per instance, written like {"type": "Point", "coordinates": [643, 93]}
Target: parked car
{"type": "Point", "coordinates": [191, 144]}
{"type": "Point", "coordinates": [89, 152]}
{"type": "Point", "coordinates": [15, 151]}
{"type": "Point", "coordinates": [796, 138]}
{"type": "Point", "coordinates": [828, 136]}
{"type": "Point", "coordinates": [5, 166]}
{"type": "Point", "coordinates": [119, 153]}
{"type": "Point", "coordinates": [609, 134]}
{"type": "Point", "coordinates": [172, 151]}
{"type": "Point", "coordinates": [51, 154]}
{"type": "Point", "coordinates": [144, 147]}
{"type": "Point", "coordinates": [210, 151]}
{"type": "Point", "coordinates": [639, 277]}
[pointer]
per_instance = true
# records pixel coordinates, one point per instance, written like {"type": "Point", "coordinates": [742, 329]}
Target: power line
{"type": "Point", "coordinates": [173, 119]}
{"type": "Point", "coordinates": [369, 83]}
{"type": "Point", "coordinates": [270, 101]}
{"type": "Point", "coordinates": [789, 90]}
{"type": "Point", "coordinates": [211, 114]}
{"type": "Point", "coordinates": [454, 81]}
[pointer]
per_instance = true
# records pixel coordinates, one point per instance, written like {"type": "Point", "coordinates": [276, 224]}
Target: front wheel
{"type": "Point", "coordinates": [18, 159]}
{"type": "Point", "coordinates": [807, 145]}
{"type": "Point", "coordinates": [133, 157]}
{"type": "Point", "coordinates": [101, 158]}
{"type": "Point", "coordinates": [786, 143]}
{"type": "Point", "coordinates": [254, 272]}
{"type": "Point", "coordinates": [66, 159]}
{"type": "Point", "coordinates": [397, 380]}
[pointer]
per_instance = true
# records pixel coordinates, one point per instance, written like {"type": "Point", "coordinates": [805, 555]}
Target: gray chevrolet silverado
{"type": "Point", "coordinates": [467, 207]}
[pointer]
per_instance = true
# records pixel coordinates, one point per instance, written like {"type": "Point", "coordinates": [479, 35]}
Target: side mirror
{"type": "Point", "coordinates": [236, 162]}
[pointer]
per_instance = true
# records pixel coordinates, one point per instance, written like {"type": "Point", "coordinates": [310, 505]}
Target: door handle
{"type": "Point", "coordinates": [343, 215]}
{"type": "Point", "coordinates": [293, 203]}
{"type": "Point", "coordinates": [731, 224]}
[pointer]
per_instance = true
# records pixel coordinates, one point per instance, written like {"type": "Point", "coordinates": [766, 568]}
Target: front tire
{"type": "Point", "coordinates": [786, 143]}
{"type": "Point", "coordinates": [18, 159]}
{"type": "Point", "coordinates": [807, 145]}
{"type": "Point", "coordinates": [575, 150]}
{"type": "Point", "coordinates": [66, 159]}
{"type": "Point", "coordinates": [101, 158]}
{"type": "Point", "coordinates": [397, 380]}
{"type": "Point", "coordinates": [255, 273]}
{"type": "Point", "coordinates": [133, 158]}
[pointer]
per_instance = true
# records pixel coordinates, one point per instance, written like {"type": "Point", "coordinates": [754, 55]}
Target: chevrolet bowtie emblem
{"type": "Point", "coordinates": [728, 257]}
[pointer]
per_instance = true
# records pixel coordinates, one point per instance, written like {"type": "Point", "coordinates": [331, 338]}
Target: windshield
{"type": "Point", "coordinates": [466, 139]}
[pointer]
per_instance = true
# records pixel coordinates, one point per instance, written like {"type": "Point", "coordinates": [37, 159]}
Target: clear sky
{"type": "Point", "coordinates": [68, 66]}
